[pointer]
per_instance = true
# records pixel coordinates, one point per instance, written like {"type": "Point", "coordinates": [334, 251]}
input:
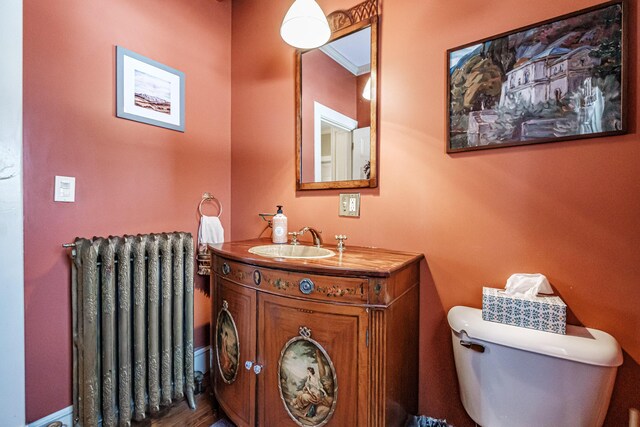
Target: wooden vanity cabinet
{"type": "Point", "coordinates": [354, 335]}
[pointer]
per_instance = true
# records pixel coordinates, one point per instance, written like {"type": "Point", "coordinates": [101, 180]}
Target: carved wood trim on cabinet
{"type": "Point", "coordinates": [378, 340]}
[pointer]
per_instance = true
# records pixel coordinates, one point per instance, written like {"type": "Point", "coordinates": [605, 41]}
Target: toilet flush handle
{"type": "Point", "coordinates": [472, 345]}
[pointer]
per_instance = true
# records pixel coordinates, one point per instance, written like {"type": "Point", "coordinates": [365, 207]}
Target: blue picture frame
{"type": "Point", "coordinates": [148, 91]}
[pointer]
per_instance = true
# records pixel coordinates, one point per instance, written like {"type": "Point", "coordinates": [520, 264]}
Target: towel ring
{"type": "Point", "coordinates": [206, 197]}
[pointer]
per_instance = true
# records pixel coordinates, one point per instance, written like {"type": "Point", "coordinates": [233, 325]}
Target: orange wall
{"type": "Point", "coordinates": [130, 177]}
{"type": "Point", "coordinates": [569, 210]}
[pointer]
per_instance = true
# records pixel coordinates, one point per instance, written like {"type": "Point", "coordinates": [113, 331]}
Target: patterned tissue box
{"type": "Point", "coordinates": [545, 313]}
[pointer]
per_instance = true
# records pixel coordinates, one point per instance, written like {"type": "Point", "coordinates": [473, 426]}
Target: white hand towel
{"type": "Point", "coordinates": [210, 230]}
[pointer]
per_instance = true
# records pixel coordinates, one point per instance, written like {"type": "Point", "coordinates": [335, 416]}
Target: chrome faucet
{"type": "Point", "coordinates": [317, 240]}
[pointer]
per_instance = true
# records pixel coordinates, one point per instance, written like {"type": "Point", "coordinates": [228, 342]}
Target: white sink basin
{"type": "Point", "coordinates": [292, 251]}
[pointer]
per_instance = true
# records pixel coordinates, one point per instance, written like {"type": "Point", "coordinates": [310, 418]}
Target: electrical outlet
{"type": "Point", "coordinates": [349, 204]}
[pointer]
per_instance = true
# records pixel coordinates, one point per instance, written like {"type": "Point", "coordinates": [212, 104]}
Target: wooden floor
{"type": "Point", "coordinates": [181, 415]}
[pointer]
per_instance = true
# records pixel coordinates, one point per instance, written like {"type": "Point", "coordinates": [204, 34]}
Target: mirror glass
{"type": "Point", "coordinates": [336, 138]}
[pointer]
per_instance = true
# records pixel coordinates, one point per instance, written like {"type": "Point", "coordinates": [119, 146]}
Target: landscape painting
{"type": "Point", "coordinates": [557, 80]}
{"type": "Point", "coordinates": [148, 91]}
{"type": "Point", "coordinates": [308, 384]}
{"type": "Point", "coordinates": [152, 93]}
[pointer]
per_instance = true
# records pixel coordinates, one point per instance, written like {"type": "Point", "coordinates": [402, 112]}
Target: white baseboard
{"type": "Point", "coordinates": [65, 416]}
{"type": "Point", "coordinates": [201, 362]}
{"type": "Point", "coordinates": [202, 359]}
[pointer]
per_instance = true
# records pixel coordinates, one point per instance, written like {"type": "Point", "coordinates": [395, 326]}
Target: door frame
{"type": "Point", "coordinates": [322, 112]}
{"type": "Point", "coordinates": [12, 363]}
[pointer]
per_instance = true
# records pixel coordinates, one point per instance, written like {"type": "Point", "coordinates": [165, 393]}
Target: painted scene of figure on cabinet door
{"type": "Point", "coordinates": [561, 79]}
{"type": "Point", "coordinates": [227, 346]}
{"type": "Point", "coordinates": [307, 382]}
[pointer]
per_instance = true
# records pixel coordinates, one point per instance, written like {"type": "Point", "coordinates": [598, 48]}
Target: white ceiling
{"type": "Point", "coordinates": [353, 51]}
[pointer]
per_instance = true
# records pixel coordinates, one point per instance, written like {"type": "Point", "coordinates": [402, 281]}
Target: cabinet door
{"type": "Point", "coordinates": [314, 358]}
{"type": "Point", "coordinates": [234, 342]}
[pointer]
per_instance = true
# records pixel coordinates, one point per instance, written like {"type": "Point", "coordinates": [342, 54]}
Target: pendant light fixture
{"type": "Point", "coordinates": [305, 26]}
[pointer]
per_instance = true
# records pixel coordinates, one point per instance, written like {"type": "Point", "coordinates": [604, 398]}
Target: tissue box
{"type": "Point", "coordinates": [545, 313]}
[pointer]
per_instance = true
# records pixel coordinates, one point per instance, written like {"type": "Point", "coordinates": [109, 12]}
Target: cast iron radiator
{"type": "Point", "coordinates": [132, 300]}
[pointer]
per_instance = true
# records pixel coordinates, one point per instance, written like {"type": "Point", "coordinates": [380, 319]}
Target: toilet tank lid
{"type": "Point", "coordinates": [580, 344]}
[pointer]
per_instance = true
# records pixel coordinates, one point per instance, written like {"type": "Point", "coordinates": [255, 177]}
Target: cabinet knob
{"type": "Point", "coordinates": [257, 369]}
{"type": "Point", "coordinates": [226, 269]}
{"type": "Point", "coordinates": [306, 286]}
{"type": "Point", "coordinates": [248, 364]}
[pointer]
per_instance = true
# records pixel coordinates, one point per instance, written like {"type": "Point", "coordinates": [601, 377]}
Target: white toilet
{"type": "Point", "coordinates": [517, 377]}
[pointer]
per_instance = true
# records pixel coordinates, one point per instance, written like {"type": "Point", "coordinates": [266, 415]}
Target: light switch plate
{"type": "Point", "coordinates": [65, 189]}
{"type": "Point", "coordinates": [349, 204]}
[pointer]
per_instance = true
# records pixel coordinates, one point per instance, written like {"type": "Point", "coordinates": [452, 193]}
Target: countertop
{"type": "Point", "coordinates": [354, 261]}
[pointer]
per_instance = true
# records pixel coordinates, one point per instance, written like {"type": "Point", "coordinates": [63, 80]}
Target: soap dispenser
{"type": "Point", "coordinates": [279, 223]}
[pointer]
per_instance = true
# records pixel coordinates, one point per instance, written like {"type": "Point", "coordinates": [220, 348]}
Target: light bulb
{"type": "Point", "coordinates": [366, 93]}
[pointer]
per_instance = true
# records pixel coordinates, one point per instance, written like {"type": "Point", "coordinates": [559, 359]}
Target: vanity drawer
{"type": "Point", "coordinates": [293, 283]}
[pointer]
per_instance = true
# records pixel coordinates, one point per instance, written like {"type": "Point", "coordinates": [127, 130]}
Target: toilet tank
{"type": "Point", "coordinates": [511, 376]}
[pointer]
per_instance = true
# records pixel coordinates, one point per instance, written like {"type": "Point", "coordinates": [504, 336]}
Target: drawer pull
{"type": "Point", "coordinates": [257, 277]}
{"type": "Point", "coordinates": [226, 269]}
{"type": "Point", "coordinates": [306, 286]}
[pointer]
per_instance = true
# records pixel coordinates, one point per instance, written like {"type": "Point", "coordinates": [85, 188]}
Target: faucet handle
{"type": "Point", "coordinates": [341, 238]}
{"type": "Point", "coordinates": [294, 237]}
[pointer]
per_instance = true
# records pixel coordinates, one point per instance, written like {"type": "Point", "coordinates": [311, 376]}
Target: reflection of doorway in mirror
{"type": "Point", "coordinates": [332, 144]}
{"type": "Point", "coordinates": [344, 153]}
{"type": "Point", "coordinates": [361, 152]}
{"type": "Point", "coordinates": [336, 156]}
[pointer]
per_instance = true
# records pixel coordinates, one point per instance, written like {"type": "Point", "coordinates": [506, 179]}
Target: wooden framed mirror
{"type": "Point", "coordinates": [336, 126]}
